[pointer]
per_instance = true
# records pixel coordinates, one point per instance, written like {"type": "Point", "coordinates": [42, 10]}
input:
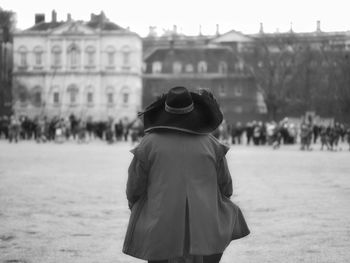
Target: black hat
{"type": "Point", "coordinates": [185, 111]}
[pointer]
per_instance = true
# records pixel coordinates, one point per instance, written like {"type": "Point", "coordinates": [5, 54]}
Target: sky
{"type": "Point", "coordinates": [189, 15]}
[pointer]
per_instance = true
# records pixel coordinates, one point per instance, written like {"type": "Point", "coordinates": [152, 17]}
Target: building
{"type": "Point", "coordinates": [6, 29]}
{"type": "Point", "coordinates": [211, 67]}
{"type": "Point", "coordinates": [203, 62]}
{"type": "Point", "coordinates": [89, 69]}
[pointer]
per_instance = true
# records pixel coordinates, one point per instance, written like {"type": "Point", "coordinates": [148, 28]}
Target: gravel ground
{"type": "Point", "coordinates": [66, 203]}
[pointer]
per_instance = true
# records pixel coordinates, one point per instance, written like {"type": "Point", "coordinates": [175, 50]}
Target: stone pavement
{"type": "Point", "coordinates": [66, 203]}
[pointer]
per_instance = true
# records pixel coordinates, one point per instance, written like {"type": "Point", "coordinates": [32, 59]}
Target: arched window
{"type": "Point", "coordinates": [73, 92]}
{"type": "Point", "coordinates": [202, 67]}
{"type": "Point", "coordinates": [22, 51]}
{"type": "Point", "coordinates": [126, 55]}
{"type": "Point", "coordinates": [73, 55]}
{"type": "Point", "coordinates": [222, 67]}
{"type": "Point", "coordinates": [38, 53]}
{"type": "Point", "coordinates": [110, 51]}
{"type": "Point", "coordinates": [22, 95]}
{"type": "Point", "coordinates": [157, 67]}
{"type": "Point", "coordinates": [189, 68]}
{"type": "Point", "coordinates": [56, 53]}
{"type": "Point", "coordinates": [36, 96]}
{"type": "Point", "coordinates": [125, 92]}
{"type": "Point", "coordinates": [90, 53]}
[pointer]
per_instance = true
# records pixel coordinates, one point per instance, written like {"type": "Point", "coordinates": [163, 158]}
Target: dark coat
{"type": "Point", "coordinates": [178, 191]}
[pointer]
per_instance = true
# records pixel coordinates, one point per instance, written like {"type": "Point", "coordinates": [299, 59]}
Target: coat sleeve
{"type": "Point", "coordinates": [137, 178]}
{"type": "Point", "coordinates": [224, 176]}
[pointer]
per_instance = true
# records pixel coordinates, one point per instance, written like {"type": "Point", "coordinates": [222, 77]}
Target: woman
{"type": "Point", "coordinates": [179, 184]}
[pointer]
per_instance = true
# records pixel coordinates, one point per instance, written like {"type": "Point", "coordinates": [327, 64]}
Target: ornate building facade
{"type": "Point", "coordinates": [89, 69]}
{"type": "Point", "coordinates": [213, 63]}
{"type": "Point", "coordinates": [212, 68]}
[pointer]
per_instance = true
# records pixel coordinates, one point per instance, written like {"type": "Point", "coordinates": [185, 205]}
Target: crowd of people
{"type": "Point", "coordinates": [275, 134]}
{"type": "Point", "coordinates": [59, 130]}
{"type": "Point", "coordinates": [306, 133]}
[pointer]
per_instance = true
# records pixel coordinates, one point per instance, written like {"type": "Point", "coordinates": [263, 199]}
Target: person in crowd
{"type": "Point", "coordinates": [14, 129]}
{"type": "Point", "coordinates": [179, 184]}
{"type": "Point", "coordinates": [316, 132]}
{"type": "Point", "coordinates": [81, 130]}
{"type": "Point", "coordinates": [4, 127]}
{"type": "Point", "coordinates": [347, 135]}
{"type": "Point", "coordinates": [236, 133]}
{"type": "Point", "coordinates": [41, 129]}
{"type": "Point", "coordinates": [249, 129]}
{"type": "Point", "coordinates": [60, 131]}
{"type": "Point", "coordinates": [109, 131]}
{"type": "Point", "coordinates": [276, 135]}
{"type": "Point", "coordinates": [118, 128]}
{"type": "Point", "coordinates": [90, 129]}
{"type": "Point", "coordinates": [324, 137]}
{"type": "Point", "coordinates": [257, 130]}
{"type": "Point", "coordinates": [305, 135]}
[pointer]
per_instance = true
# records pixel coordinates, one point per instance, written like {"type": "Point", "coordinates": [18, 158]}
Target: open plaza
{"type": "Point", "coordinates": [66, 203]}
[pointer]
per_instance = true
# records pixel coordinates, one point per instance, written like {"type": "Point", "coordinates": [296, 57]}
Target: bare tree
{"type": "Point", "coordinates": [274, 65]}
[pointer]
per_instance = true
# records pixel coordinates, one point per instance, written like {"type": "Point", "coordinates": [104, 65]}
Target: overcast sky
{"type": "Point", "coordinates": [243, 15]}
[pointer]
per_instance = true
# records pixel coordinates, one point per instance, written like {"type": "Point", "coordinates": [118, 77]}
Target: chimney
{"type": "Point", "coordinates": [217, 30]}
{"type": "Point", "coordinates": [152, 31]}
{"type": "Point", "coordinates": [174, 29]}
{"type": "Point", "coordinates": [54, 16]}
{"type": "Point", "coordinates": [200, 30]}
{"type": "Point", "coordinates": [318, 26]}
{"type": "Point", "coordinates": [261, 30]}
{"type": "Point", "coordinates": [291, 27]}
{"type": "Point", "coordinates": [69, 17]}
{"type": "Point", "coordinates": [39, 18]}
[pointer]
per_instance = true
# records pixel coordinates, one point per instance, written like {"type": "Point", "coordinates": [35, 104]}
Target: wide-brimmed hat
{"type": "Point", "coordinates": [182, 110]}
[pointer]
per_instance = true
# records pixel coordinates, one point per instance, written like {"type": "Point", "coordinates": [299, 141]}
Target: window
{"type": "Point", "coordinates": [222, 67]}
{"type": "Point", "coordinates": [73, 56]}
{"type": "Point", "coordinates": [202, 67]}
{"type": "Point", "coordinates": [155, 91]}
{"type": "Point", "coordinates": [38, 59]}
{"type": "Point", "coordinates": [90, 56]}
{"type": "Point", "coordinates": [157, 67]}
{"type": "Point", "coordinates": [56, 56]}
{"type": "Point", "coordinates": [38, 52]}
{"type": "Point", "coordinates": [36, 98]}
{"type": "Point", "coordinates": [177, 67]}
{"type": "Point", "coordinates": [189, 68]}
{"type": "Point", "coordinates": [238, 109]}
{"type": "Point", "coordinates": [110, 57]}
{"type": "Point", "coordinates": [126, 56]}
{"type": "Point", "coordinates": [22, 94]}
{"type": "Point", "coordinates": [125, 98]}
{"type": "Point", "coordinates": [240, 65]}
{"type": "Point", "coordinates": [110, 98]}
{"type": "Point", "coordinates": [73, 94]}
{"type": "Point", "coordinates": [238, 91]}
{"type": "Point", "coordinates": [222, 90]}
{"type": "Point", "coordinates": [56, 97]}
{"type": "Point", "coordinates": [89, 97]}
{"type": "Point", "coordinates": [22, 57]}
{"type": "Point", "coordinates": [110, 95]}
{"type": "Point", "coordinates": [125, 95]}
